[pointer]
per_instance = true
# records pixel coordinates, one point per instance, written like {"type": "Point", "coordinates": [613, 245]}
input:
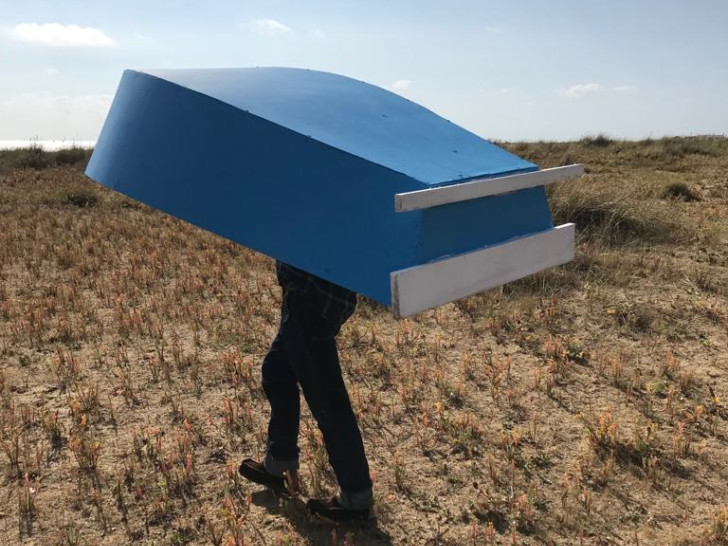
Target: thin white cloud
{"type": "Point", "coordinates": [490, 92]}
{"type": "Point", "coordinates": [494, 29]}
{"type": "Point", "coordinates": [401, 85]}
{"type": "Point", "coordinates": [627, 89]}
{"type": "Point", "coordinates": [50, 116]}
{"type": "Point", "coordinates": [317, 33]}
{"type": "Point", "coordinates": [142, 37]}
{"type": "Point", "coordinates": [57, 35]}
{"type": "Point", "coordinates": [268, 27]}
{"type": "Point", "coordinates": [582, 90]}
{"type": "Point", "coordinates": [52, 71]}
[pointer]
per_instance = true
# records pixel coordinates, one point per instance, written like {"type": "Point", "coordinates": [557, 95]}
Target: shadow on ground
{"type": "Point", "coordinates": [318, 531]}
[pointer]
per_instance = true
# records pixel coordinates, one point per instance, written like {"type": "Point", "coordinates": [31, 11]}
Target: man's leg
{"type": "Point", "coordinates": [281, 389]}
{"type": "Point", "coordinates": [311, 347]}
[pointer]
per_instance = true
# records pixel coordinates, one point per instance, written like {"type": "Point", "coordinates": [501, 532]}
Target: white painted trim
{"type": "Point", "coordinates": [422, 199]}
{"type": "Point", "coordinates": [424, 286]}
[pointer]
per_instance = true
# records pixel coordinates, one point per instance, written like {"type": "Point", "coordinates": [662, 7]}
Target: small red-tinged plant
{"type": "Point", "coordinates": [27, 510]}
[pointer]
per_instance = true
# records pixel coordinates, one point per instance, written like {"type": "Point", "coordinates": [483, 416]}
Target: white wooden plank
{"type": "Point", "coordinates": [424, 286]}
{"type": "Point", "coordinates": [443, 195]}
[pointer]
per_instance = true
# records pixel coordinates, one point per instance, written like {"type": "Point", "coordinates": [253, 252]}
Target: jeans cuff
{"type": "Point", "coordinates": [278, 468]}
{"type": "Point", "coordinates": [357, 500]}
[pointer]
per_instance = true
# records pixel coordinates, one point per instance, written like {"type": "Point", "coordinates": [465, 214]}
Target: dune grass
{"type": "Point", "coordinates": [582, 405]}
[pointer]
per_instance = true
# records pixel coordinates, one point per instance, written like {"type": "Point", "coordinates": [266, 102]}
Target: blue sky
{"type": "Point", "coordinates": [516, 70]}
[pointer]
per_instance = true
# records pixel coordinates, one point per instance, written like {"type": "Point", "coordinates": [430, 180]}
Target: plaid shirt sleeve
{"type": "Point", "coordinates": [335, 302]}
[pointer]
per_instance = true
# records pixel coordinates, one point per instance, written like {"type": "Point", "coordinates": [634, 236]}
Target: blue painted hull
{"type": "Point", "coordinates": [303, 166]}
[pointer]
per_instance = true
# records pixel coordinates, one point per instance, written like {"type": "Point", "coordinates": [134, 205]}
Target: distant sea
{"type": "Point", "coordinates": [50, 145]}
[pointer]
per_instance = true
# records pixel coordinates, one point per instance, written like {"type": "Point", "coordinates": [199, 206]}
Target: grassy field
{"type": "Point", "coordinates": [585, 405]}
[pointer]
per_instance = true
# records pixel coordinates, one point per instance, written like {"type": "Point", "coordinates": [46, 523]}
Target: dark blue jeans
{"type": "Point", "coordinates": [304, 353]}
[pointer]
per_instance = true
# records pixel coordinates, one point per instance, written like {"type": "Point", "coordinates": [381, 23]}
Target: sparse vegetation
{"type": "Point", "coordinates": [582, 405]}
{"type": "Point", "coordinates": [35, 157]}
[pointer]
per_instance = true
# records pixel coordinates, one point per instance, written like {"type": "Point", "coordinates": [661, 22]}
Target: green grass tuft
{"type": "Point", "coordinates": [35, 157]}
{"type": "Point", "coordinates": [598, 141]}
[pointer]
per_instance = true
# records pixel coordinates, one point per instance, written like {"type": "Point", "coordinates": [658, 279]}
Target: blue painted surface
{"type": "Point", "coordinates": [255, 176]}
{"type": "Point", "coordinates": [469, 225]}
{"type": "Point", "coordinates": [356, 117]}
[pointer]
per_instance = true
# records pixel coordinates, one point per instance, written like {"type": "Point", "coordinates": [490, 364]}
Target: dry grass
{"type": "Point", "coordinates": [583, 405]}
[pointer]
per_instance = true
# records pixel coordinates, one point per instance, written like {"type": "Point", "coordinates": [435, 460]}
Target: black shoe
{"type": "Point", "coordinates": [332, 510]}
{"type": "Point", "coordinates": [256, 472]}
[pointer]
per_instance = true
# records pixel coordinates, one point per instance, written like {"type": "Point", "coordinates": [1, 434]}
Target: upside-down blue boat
{"type": "Point", "coordinates": [340, 178]}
